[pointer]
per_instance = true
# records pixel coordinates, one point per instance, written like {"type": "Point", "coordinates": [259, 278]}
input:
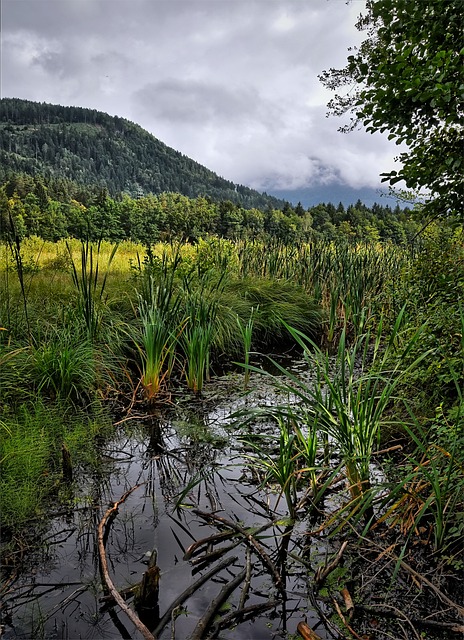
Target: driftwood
{"type": "Point", "coordinates": [188, 592]}
{"type": "Point", "coordinates": [204, 623]}
{"type": "Point", "coordinates": [306, 632]}
{"type": "Point", "coordinates": [251, 540]}
{"type": "Point", "coordinates": [111, 513]}
{"type": "Point", "coordinates": [349, 606]}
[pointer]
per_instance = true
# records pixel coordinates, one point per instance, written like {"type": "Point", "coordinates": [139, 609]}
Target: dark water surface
{"type": "Point", "coordinates": [60, 597]}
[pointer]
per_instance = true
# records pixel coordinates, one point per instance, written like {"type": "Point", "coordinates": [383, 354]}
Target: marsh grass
{"type": "Point", "coordinates": [246, 331]}
{"type": "Point", "coordinates": [30, 456]}
{"type": "Point", "coordinates": [64, 365]}
{"type": "Point", "coordinates": [156, 344]}
{"type": "Point", "coordinates": [280, 466]}
{"type": "Point", "coordinates": [429, 496]}
{"type": "Point", "coordinates": [90, 285]}
{"type": "Point", "coordinates": [200, 309]}
{"type": "Point", "coordinates": [347, 400]}
{"type": "Point", "coordinates": [352, 395]}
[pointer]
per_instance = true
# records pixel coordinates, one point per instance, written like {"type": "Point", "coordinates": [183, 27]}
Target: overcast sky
{"type": "Point", "coordinates": [230, 83]}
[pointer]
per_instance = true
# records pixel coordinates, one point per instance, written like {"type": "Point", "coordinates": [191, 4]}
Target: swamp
{"type": "Point", "coordinates": [232, 439]}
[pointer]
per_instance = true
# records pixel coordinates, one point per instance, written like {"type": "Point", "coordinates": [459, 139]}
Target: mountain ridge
{"type": "Point", "coordinates": [92, 147]}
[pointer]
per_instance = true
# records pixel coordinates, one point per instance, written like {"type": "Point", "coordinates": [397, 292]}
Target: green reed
{"type": "Point", "coordinates": [157, 337]}
{"type": "Point", "coordinates": [246, 331]}
{"type": "Point", "coordinates": [352, 395]}
{"type": "Point", "coordinates": [279, 467]}
{"type": "Point", "coordinates": [86, 279]}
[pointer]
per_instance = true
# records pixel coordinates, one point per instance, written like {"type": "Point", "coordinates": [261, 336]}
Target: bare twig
{"type": "Point", "coordinates": [188, 592]}
{"type": "Point", "coordinates": [343, 619]}
{"type": "Point", "coordinates": [205, 621]}
{"type": "Point", "coordinates": [110, 513]}
{"type": "Point", "coordinates": [322, 572]}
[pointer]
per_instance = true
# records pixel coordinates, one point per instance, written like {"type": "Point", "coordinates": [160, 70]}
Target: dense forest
{"type": "Point", "coordinates": [70, 171]}
{"type": "Point", "coordinates": [91, 147]}
{"type": "Point", "coordinates": [56, 208]}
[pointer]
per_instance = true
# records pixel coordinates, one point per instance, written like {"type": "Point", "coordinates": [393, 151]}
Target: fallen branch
{"type": "Point", "coordinates": [217, 537]}
{"type": "Point", "coordinates": [207, 558]}
{"type": "Point", "coordinates": [247, 535]}
{"type": "Point", "coordinates": [204, 623]}
{"type": "Point", "coordinates": [322, 572]}
{"type": "Point", "coordinates": [111, 513]}
{"type": "Point", "coordinates": [246, 586]}
{"type": "Point", "coordinates": [188, 592]}
{"type": "Point", "coordinates": [242, 614]}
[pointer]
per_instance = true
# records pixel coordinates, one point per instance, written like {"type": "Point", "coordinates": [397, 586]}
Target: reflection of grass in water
{"type": "Point", "coordinates": [198, 432]}
{"type": "Point", "coordinates": [30, 457]}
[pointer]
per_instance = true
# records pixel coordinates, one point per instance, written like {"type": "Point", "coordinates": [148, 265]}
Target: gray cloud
{"type": "Point", "coordinates": [200, 102]}
{"type": "Point", "coordinates": [231, 83]}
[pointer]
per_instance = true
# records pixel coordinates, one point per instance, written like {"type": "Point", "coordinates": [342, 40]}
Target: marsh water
{"type": "Point", "coordinates": [181, 463]}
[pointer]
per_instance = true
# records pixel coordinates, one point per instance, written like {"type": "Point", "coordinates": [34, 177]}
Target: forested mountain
{"type": "Point", "coordinates": [69, 171]}
{"type": "Point", "coordinates": [92, 148]}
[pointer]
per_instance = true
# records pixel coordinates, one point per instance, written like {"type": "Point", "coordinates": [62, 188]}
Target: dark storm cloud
{"type": "Point", "coordinates": [231, 83]}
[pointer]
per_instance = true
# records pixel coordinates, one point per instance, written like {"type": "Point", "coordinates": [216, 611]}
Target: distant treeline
{"type": "Point", "coordinates": [59, 208]}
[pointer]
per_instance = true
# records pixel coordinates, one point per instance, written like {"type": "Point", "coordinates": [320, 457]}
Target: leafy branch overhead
{"type": "Point", "coordinates": [407, 79]}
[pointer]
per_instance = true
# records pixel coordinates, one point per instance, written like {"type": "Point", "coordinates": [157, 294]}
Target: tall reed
{"type": "Point", "coordinates": [86, 279]}
{"type": "Point", "coordinates": [246, 331]}
{"type": "Point", "coordinates": [160, 328]}
{"type": "Point", "coordinates": [198, 334]}
{"type": "Point", "coordinates": [353, 393]}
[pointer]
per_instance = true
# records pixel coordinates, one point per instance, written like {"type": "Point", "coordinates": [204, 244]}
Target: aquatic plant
{"type": "Point", "coordinates": [247, 332]}
{"type": "Point", "coordinates": [200, 306]}
{"type": "Point", "coordinates": [352, 394]}
{"type": "Point", "coordinates": [280, 467]}
{"type": "Point", "coordinates": [155, 344]}
{"type": "Point", "coordinates": [86, 280]}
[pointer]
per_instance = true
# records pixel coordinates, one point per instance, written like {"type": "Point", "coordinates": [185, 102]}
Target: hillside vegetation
{"type": "Point", "coordinates": [91, 147]}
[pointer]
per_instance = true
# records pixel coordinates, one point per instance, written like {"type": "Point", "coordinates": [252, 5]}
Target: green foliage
{"type": "Point", "coordinates": [432, 288]}
{"type": "Point", "coordinates": [159, 332]}
{"type": "Point", "coordinates": [98, 149]}
{"type": "Point", "coordinates": [90, 289]}
{"type": "Point", "coordinates": [409, 71]}
{"type": "Point", "coordinates": [280, 467]}
{"type": "Point", "coordinates": [63, 365]}
{"type": "Point", "coordinates": [30, 457]}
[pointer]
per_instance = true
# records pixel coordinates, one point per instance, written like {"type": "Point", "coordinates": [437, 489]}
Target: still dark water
{"type": "Point", "coordinates": [192, 446]}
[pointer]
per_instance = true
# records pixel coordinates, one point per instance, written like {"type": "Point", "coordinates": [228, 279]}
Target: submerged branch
{"type": "Point", "coordinates": [110, 514]}
{"type": "Point", "coordinates": [248, 536]}
{"type": "Point", "coordinates": [205, 621]}
{"type": "Point", "coordinates": [189, 591]}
